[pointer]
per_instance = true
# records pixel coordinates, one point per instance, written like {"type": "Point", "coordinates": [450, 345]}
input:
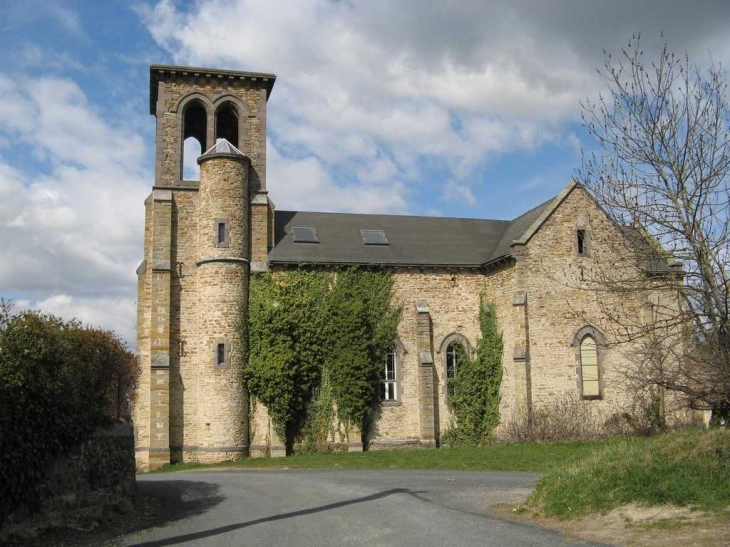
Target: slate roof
{"type": "Point", "coordinates": [413, 240]}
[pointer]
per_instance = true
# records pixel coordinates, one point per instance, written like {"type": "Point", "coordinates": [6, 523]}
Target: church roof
{"type": "Point", "coordinates": [411, 240]}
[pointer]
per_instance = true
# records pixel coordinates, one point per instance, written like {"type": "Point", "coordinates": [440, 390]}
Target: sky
{"type": "Point", "coordinates": [462, 108]}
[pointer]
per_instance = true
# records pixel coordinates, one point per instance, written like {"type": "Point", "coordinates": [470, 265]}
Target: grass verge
{"type": "Point", "coordinates": [504, 457]}
{"type": "Point", "coordinates": [688, 468]}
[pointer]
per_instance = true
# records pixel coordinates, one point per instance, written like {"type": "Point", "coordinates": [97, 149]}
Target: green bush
{"type": "Point", "coordinates": [58, 381]}
{"type": "Point", "coordinates": [685, 468]}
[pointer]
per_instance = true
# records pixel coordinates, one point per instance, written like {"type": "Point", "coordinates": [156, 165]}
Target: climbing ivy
{"type": "Point", "coordinates": [363, 326]}
{"type": "Point", "coordinates": [306, 321]}
{"type": "Point", "coordinates": [284, 336]}
{"type": "Point", "coordinates": [475, 399]}
{"type": "Point", "coordinates": [319, 423]}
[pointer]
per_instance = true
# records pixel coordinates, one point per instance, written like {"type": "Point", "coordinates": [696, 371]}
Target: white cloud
{"type": "Point", "coordinates": [391, 83]}
{"type": "Point", "coordinates": [353, 100]}
{"type": "Point", "coordinates": [304, 184]}
{"type": "Point", "coordinates": [112, 313]}
{"type": "Point", "coordinates": [68, 19]}
{"type": "Point", "coordinates": [453, 191]}
{"type": "Point", "coordinates": [71, 219]}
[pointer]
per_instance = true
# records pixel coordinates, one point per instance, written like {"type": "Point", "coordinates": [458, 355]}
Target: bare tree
{"type": "Point", "coordinates": [661, 173]}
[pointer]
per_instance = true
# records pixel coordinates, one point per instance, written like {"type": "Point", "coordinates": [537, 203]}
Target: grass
{"type": "Point", "coordinates": [688, 468]}
{"type": "Point", "coordinates": [501, 457]}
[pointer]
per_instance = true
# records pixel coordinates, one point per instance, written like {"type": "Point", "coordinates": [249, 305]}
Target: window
{"type": "Point", "coordinates": [453, 350]}
{"type": "Point", "coordinates": [226, 124]}
{"type": "Point", "coordinates": [389, 376]}
{"type": "Point", "coordinates": [590, 386]}
{"type": "Point", "coordinates": [374, 237]}
{"type": "Point", "coordinates": [304, 235]}
{"type": "Point", "coordinates": [582, 242]}
{"type": "Point", "coordinates": [452, 363]}
{"type": "Point", "coordinates": [221, 233]}
{"type": "Point", "coordinates": [194, 133]}
{"type": "Point", "coordinates": [221, 354]}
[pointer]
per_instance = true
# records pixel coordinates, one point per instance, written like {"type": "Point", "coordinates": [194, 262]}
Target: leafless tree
{"type": "Point", "coordinates": [661, 174]}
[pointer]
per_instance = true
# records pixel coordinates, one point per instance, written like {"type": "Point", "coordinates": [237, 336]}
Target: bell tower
{"type": "Point", "coordinates": [208, 224]}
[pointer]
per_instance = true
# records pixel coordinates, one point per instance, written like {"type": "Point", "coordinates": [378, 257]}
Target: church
{"type": "Point", "coordinates": [203, 240]}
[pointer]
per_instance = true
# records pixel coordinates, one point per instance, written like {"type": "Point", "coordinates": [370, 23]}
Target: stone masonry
{"type": "Point", "coordinates": [203, 238]}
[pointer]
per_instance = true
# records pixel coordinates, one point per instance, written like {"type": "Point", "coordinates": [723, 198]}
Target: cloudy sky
{"type": "Point", "coordinates": [462, 108]}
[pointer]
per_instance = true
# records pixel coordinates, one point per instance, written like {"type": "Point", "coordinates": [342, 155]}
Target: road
{"type": "Point", "coordinates": [339, 508]}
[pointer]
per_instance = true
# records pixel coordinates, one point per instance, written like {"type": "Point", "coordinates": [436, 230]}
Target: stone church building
{"type": "Point", "coordinates": [203, 239]}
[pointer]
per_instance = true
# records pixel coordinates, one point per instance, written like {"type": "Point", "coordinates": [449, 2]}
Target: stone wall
{"type": "Point", "coordinates": [175, 93]}
{"type": "Point", "coordinates": [82, 487]}
{"type": "Point", "coordinates": [559, 304]}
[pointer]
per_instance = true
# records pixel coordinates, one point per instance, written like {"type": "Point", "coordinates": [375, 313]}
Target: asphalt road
{"type": "Point", "coordinates": [339, 508]}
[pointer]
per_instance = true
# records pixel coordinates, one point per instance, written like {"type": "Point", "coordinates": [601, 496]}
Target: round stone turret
{"type": "Point", "coordinates": [222, 278]}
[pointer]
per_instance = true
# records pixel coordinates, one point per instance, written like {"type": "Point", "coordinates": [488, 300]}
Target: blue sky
{"type": "Point", "coordinates": [466, 109]}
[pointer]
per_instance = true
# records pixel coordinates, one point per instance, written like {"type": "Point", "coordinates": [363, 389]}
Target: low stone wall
{"type": "Point", "coordinates": [95, 479]}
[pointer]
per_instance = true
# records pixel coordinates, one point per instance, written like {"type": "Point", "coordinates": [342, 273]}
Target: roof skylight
{"type": "Point", "coordinates": [374, 237]}
{"type": "Point", "coordinates": [304, 235]}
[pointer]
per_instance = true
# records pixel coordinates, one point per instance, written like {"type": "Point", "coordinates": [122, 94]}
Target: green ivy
{"type": "Point", "coordinates": [363, 327]}
{"type": "Point", "coordinates": [320, 417]}
{"type": "Point", "coordinates": [287, 319]}
{"type": "Point", "coordinates": [301, 322]}
{"type": "Point", "coordinates": [475, 399]}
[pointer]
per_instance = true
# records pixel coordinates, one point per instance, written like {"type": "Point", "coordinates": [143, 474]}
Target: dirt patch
{"type": "Point", "coordinates": [635, 526]}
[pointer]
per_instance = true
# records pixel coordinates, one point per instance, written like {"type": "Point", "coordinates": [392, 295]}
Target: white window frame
{"type": "Point", "coordinates": [390, 384]}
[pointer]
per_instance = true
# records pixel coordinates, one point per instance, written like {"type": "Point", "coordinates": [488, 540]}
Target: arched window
{"type": "Point", "coordinates": [226, 124]}
{"type": "Point", "coordinates": [390, 391]}
{"type": "Point", "coordinates": [589, 368]}
{"type": "Point", "coordinates": [589, 346]}
{"type": "Point", "coordinates": [191, 152]}
{"type": "Point", "coordinates": [452, 365]}
{"type": "Point", "coordinates": [194, 130]}
{"type": "Point", "coordinates": [454, 349]}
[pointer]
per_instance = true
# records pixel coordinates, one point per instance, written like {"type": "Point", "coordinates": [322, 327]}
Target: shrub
{"type": "Point", "coordinates": [562, 419]}
{"type": "Point", "coordinates": [58, 381]}
{"type": "Point", "coordinates": [568, 418]}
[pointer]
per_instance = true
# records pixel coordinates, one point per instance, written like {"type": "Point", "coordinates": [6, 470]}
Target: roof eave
{"type": "Point", "coordinates": [374, 264]}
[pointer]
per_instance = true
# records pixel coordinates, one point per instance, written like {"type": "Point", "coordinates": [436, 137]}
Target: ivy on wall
{"type": "Point", "coordinates": [314, 336]}
{"type": "Point", "coordinates": [475, 399]}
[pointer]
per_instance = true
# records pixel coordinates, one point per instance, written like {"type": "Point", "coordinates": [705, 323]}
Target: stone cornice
{"type": "Point", "coordinates": [171, 72]}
